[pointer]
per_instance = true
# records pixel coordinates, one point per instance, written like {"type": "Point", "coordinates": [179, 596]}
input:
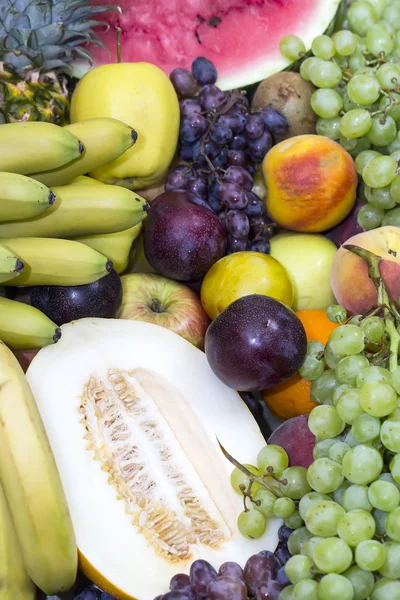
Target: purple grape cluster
{"type": "Point", "coordinates": [220, 142]}
{"type": "Point", "coordinates": [262, 578]}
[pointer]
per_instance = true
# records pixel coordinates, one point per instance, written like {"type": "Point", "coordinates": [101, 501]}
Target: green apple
{"type": "Point", "coordinates": [307, 258]}
{"type": "Point", "coordinates": [155, 299]}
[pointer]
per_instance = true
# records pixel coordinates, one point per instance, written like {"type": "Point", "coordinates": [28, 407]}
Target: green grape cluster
{"type": "Point", "coordinates": [357, 75]}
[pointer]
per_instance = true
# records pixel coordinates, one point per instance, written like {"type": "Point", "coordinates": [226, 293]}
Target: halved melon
{"type": "Point", "coordinates": [133, 413]}
{"type": "Point", "coordinates": [241, 37]}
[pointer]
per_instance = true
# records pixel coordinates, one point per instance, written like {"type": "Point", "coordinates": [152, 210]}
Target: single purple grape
{"type": "Point", "coordinates": [238, 158]}
{"type": "Point", "coordinates": [180, 582]}
{"type": "Point", "coordinates": [231, 568]}
{"type": "Point", "coordinates": [255, 206]}
{"type": "Point", "coordinates": [258, 148]}
{"type": "Point", "coordinates": [233, 195]}
{"type": "Point", "coordinates": [274, 121]}
{"type": "Point", "coordinates": [239, 142]}
{"type": "Point", "coordinates": [176, 179]}
{"type": "Point", "coordinates": [201, 573]}
{"type": "Point", "coordinates": [189, 107]}
{"type": "Point", "coordinates": [192, 128]}
{"type": "Point", "coordinates": [237, 224]}
{"type": "Point", "coordinates": [221, 134]}
{"type": "Point", "coordinates": [204, 71]}
{"type": "Point", "coordinates": [236, 244]}
{"type": "Point", "coordinates": [282, 554]}
{"type": "Point", "coordinates": [257, 570]}
{"type": "Point", "coordinates": [220, 161]}
{"type": "Point", "coordinates": [210, 96]}
{"type": "Point", "coordinates": [282, 577]}
{"type": "Point", "coordinates": [184, 83]}
{"type": "Point", "coordinates": [239, 175]}
{"type": "Point", "coordinates": [212, 150]}
{"type": "Point", "coordinates": [284, 533]}
{"type": "Point", "coordinates": [254, 127]}
{"type": "Point", "coordinates": [186, 152]}
{"type": "Point", "coordinates": [269, 590]}
{"type": "Point", "coordinates": [197, 186]}
{"type": "Point", "coordinates": [227, 588]}
{"type": "Point", "coordinates": [235, 121]}
{"type": "Point", "coordinates": [179, 595]}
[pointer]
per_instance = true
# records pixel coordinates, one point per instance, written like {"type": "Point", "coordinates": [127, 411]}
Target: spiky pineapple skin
{"type": "Point", "coordinates": [39, 40]}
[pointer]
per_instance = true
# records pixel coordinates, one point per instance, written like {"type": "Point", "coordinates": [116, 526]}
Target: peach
{"type": "Point", "coordinates": [350, 282]}
{"type": "Point", "coordinates": [311, 182]}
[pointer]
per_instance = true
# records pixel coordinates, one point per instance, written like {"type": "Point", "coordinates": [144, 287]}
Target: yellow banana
{"type": "Point", "coordinates": [10, 266]}
{"type": "Point", "coordinates": [82, 210]}
{"type": "Point", "coordinates": [22, 197]}
{"type": "Point", "coordinates": [24, 327]}
{"type": "Point", "coordinates": [104, 139]}
{"type": "Point", "coordinates": [32, 484]}
{"type": "Point", "coordinates": [84, 180]}
{"type": "Point", "coordinates": [15, 582]}
{"type": "Point", "coordinates": [57, 262]}
{"type": "Point", "coordinates": [116, 246]}
{"type": "Point", "coordinates": [30, 147]}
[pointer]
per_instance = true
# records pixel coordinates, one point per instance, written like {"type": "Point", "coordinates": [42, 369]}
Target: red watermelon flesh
{"type": "Point", "coordinates": [241, 37]}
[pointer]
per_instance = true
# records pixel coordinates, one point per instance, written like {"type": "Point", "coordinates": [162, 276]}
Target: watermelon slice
{"type": "Point", "coordinates": [241, 37]}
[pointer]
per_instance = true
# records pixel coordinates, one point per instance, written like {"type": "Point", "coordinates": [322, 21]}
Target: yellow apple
{"type": "Point", "coordinates": [307, 258]}
{"type": "Point", "coordinates": [242, 274]}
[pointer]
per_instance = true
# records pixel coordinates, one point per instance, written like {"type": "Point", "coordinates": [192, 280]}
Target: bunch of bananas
{"type": "Point", "coordinates": [57, 226]}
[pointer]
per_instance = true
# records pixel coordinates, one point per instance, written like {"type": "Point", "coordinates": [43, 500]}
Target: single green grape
{"type": "Point", "coordinates": [292, 47]}
{"type": "Point", "coordinates": [392, 217]}
{"type": "Point", "coordinates": [323, 47]}
{"type": "Point", "coordinates": [380, 171]}
{"type": "Point", "coordinates": [328, 127]}
{"type": "Point", "coordinates": [325, 475]}
{"type": "Point", "coordinates": [338, 450]}
{"type": "Point", "coordinates": [272, 456]}
{"type": "Point", "coordinates": [366, 428]}
{"type": "Point", "coordinates": [378, 41]}
{"type": "Point", "coordinates": [308, 500]}
{"type": "Point", "coordinates": [333, 587]}
{"type": "Point", "coordinates": [388, 477]}
{"type": "Point", "coordinates": [391, 14]}
{"type": "Point", "coordinates": [356, 497]}
{"type": "Point", "coordinates": [308, 546]}
{"type": "Point", "coordinates": [362, 464]}
{"type": "Point", "coordinates": [348, 144]}
{"type": "Point", "coordinates": [393, 524]}
{"type": "Point", "coordinates": [391, 566]}
{"type": "Point", "coordinates": [348, 368]}
{"type": "Point", "coordinates": [383, 495]}
{"type": "Point", "coordinates": [312, 368]}
{"type": "Point", "coordinates": [362, 581]}
{"type": "Point", "coordinates": [322, 518]}
{"type": "Point", "coordinates": [322, 388]}
{"type": "Point", "coordinates": [363, 158]}
{"type": "Point", "coordinates": [356, 526]}
{"type": "Point", "coordinates": [370, 555]}
{"type": "Point", "coordinates": [378, 399]}
{"type": "Point", "coordinates": [395, 189]}
{"type": "Point", "coordinates": [239, 479]}
{"type": "Point", "coordinates": [357, 60]}
{"type": "Point", "coordinates": [284, 508]}
{"type": "Point", "coordinates": [370, 217]}
{"type": "Point", "coordinates": [388, 76]}
{"type": "Point", "coordinates": [395, 468]}
{"type": "Point", "coordinates": [373, 374]}
{"type": "Point", "coordinates": [325, 74]}
{"type": "Point", "coordinates": [347, 340]}
{"type": "Point", "coordinates": [326, 103]}
{"type": "Point", "coordinates": [345, 42]}
{"type": "Point", "coordinates": [337, 392]}
{"type": "Point", "coordinates": [264, 502]}
{"type": "Point", "coordinates": [306, 65]}
{"type": "Point", "coordinates": [361, 16]}
{"type": "Point", "coordinates": [294, 521]}
{"type": "Point", "coordinates": [336, 313]}
{"type": "Point", "coordinates": [390, 435]}
{"type": "Point", "coordinates": [381, 198]}
{"type": "Point", "coordinates": [287, 593]}
{"type": "Point", "coordinates": [348, 406]}
{"type": "Point", "coordinates": [355, 123]}
{"type": "Point", "coordinates": [382, 132]}
{"type": "Point", "coordinates": [324, 422]}
{"type": "Point", "coordinates": [361, 144]}
{"type": "Point", "coordinates": [386, 589]}
{"type": "Point", "coordinates": [332, 555]}
{"type": "Point", "coordinates": [299, 567]}
{"type": "Point", "coordinates": [251, 524]}
{"type": "Point", "coordinates": [322, 447]}
{"type": "Point", "coordinates": [363, 89]}
{"type": "Point", "coordinates": [297, 539]}
{"type": "Point", "coordinates": [306, 589]}
{"type": "Point", "coordinates": [293, 482]}
{"type": "Point", "coordinates": [314, 347]}
{"type": "Point", "coordinates": [331, 358]}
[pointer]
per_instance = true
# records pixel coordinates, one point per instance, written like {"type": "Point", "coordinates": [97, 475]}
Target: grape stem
{"type": "Point", "coordinates": [389, 310]}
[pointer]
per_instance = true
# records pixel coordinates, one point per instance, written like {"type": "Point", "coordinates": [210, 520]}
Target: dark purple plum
{"type": "Point", "coordinates": [181, 239]}
{"type": "Point", "coordinates": [63, 304]}
{"type": "Point", "coordinates": [255, 343]}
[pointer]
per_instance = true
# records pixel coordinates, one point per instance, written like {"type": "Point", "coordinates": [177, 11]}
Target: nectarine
{"type": "Point", "coordinates": [311, 183]}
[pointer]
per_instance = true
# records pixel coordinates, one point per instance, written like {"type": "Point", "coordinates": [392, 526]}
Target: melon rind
{"type": "Point", "coordinates": [111, 549]}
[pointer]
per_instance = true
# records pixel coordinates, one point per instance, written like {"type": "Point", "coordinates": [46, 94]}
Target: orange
{"type": "Point", "coordinates": [292, 397]}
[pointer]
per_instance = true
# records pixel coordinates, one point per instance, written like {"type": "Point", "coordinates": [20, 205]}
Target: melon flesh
{"type": "Point", "coordinates": [133, 413]}
{"type": "Point", "coordinates": [241, 37]}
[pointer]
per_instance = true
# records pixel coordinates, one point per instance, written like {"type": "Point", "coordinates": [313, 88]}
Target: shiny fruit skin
{"type": "Point", "coordinates": [181, 239]}
{"type": "Point", "coordinates": [241, 274]}
{"type": "Point", "coordinates": [255, 343]}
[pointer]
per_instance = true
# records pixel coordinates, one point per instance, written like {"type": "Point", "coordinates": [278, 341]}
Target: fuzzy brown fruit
{"type": "Point", "coordinates": [290, 94]}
